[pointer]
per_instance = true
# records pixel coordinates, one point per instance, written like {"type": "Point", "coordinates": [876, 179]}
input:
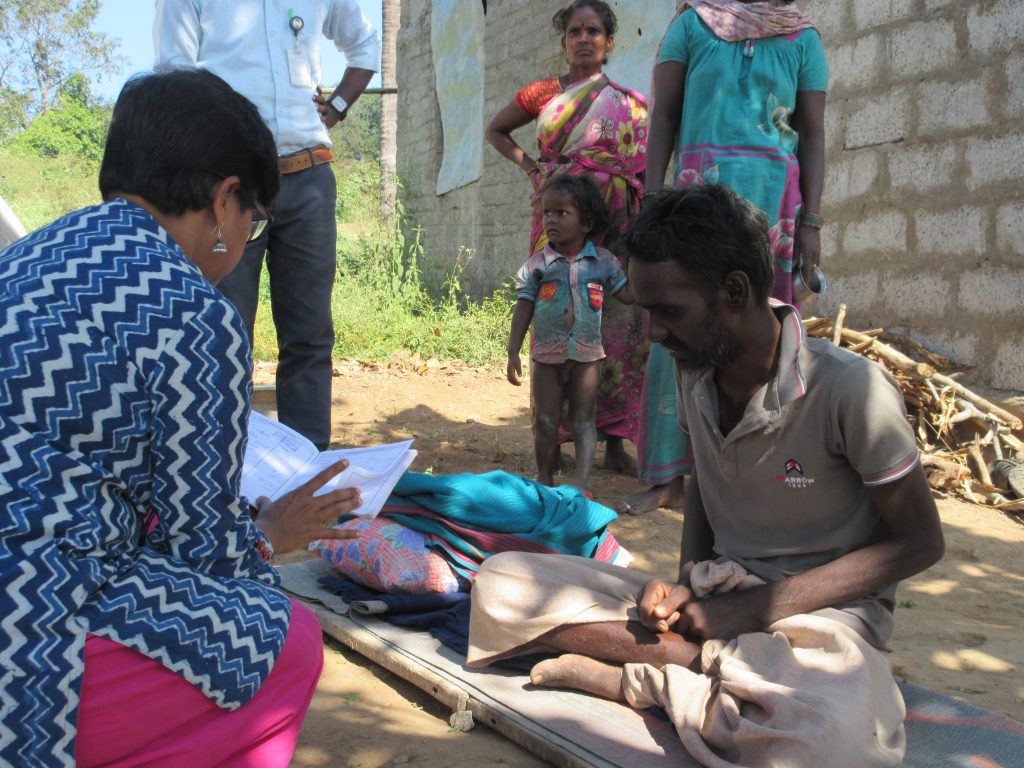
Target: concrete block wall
{"type": "Point", "coordinates": [924, 189]}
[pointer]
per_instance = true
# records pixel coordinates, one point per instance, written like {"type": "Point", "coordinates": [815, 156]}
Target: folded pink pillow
{"type": "Point", "coordinates": [389, 557]}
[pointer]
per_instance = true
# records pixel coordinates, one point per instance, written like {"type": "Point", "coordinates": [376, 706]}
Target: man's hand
{"type": "Point", "coordinates": [661, 605]}
{"type": "Point", "coordinates": [514, 369]}
{"type": "Point", "coordinates": [721, 617]}
{"type": "Point", "coordinates": [299, 517]}
{"type": "Point", "coordinates": [329, 116]}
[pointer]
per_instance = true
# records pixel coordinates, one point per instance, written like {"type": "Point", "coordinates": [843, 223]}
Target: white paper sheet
{"type": "Point", "coordinates": [278, 459]}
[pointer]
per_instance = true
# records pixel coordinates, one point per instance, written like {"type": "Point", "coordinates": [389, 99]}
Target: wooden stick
{"type": "Point", "coordinates": [993, 411]}
{"type": "Point", "coordinates": [949, 474]}
{"type": "Point", "coordinates": [837, 334]}
{"type": "Point", "coordinates": [970, 493]}
{"type": "Point", "coordinates": [1011, 442]}
{"type": "Point", "coordinates": [979, 461]}
{"type": "Point", "coordinates": [890, 355]}
{"type": "Point", "coordinates": [862, 346]}
{"type": "Point", "coordinates": [934, 359]}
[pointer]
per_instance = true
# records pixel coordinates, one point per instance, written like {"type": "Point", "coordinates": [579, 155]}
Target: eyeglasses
{"type": "Point", "coordinates": [260, 220]}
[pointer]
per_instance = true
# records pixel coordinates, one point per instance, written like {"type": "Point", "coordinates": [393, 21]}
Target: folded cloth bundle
{"type": "Point", "coordinates": [469, 517]}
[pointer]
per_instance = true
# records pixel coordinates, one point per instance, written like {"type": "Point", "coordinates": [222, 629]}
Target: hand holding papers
{"type": "Point", "coordinates": [278, 459]}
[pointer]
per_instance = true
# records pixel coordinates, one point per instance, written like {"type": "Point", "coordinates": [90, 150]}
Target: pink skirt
{"type": "Point", "coordinates": [136, 712]}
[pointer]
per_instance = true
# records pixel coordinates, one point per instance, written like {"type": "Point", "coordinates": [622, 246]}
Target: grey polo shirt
{"type": "Point", "coordinates": [788, 488]}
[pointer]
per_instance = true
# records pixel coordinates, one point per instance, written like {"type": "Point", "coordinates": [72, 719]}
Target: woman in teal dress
{"type": "Point", "coordinates": [739, 97]}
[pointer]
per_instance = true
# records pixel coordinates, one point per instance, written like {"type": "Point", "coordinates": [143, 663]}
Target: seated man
{"type": "Point", "coordinates": [806, 506]}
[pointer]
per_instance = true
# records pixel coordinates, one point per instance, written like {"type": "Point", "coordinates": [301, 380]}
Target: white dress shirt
{"type": "Point", "coordinates": [251, 45]}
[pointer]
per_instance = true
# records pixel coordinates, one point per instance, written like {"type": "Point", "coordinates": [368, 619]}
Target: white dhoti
{"type": "Point", "coordinates": [807, 691]}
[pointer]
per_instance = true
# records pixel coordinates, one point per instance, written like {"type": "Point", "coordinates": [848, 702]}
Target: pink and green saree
{"type": "Point", "coordinates": [599, 129]}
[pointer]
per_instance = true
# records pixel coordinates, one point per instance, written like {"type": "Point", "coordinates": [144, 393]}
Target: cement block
{"type": "Point", "coordinates": [959, 346]}
{"type": "Point", "coordinates": [921, 168]}
{"type": "Point", "coordinates": [1008, 367]}
{"type": "Point", "coordinates": [880, 118]}
{"type": "Point", "coordinates": [993, 160]}
{"type": "Point", "coordinates": [994, 27]}
{"type": "Point", "coordinates": [833, 128]}
{"type": "Point", "coordinates": [853, 175]}
{"type": "Point", "coordinates": [829, 17]}
{"type": "Point", "coordinates": [884, 232]}
{"type": "Point", "coordinates": [860, 290]}
{"type": "Point", "coordinates": [916, 295]}
{"type": "Point", "coordinates": [993, 291]}
{"type": "Point", "coordinates": [856, 64]}
{"type": "Point", "coordinates": [829, 240]}
{"type": "Point", "coordinates": [922, 47]}
{"type": "Point", "coordinates": [1010, 229]}
{"type": "Point", "coordinates": [952, 107]}
{"type": "Point", "coordinates": [872, 13]}
{"type": "Point", "coordinates": [1015, 83]}
{"type": "Point", "coordinates": [951, 232]}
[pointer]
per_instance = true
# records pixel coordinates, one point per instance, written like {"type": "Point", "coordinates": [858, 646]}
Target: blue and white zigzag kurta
{"type": "Point", "coordinates": [124, 387]}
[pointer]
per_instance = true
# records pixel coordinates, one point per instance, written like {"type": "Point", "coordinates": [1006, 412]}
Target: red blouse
{"type": "Point", "coordinates": [537, 94]}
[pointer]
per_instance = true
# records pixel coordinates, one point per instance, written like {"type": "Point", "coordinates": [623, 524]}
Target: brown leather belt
{"type": "Point", "coordinates": [304, 158]}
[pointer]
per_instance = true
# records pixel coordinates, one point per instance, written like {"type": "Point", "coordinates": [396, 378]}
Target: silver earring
{"type": "Point", "coordinates": [220, 246]}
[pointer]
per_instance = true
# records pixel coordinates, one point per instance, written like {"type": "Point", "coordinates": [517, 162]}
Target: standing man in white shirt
{"type": "Point", "coordinates": [269, 50]}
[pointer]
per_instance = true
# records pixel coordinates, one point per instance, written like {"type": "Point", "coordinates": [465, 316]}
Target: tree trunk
{"type": "Point", "coordinates": [389, 107]}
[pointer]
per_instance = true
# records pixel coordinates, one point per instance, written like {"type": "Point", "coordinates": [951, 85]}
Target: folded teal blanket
{"type": "Point", "coordinates": [469, 517]}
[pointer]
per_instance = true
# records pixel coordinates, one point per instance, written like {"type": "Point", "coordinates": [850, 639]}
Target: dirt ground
{"type": "Point", "coordinates": [959, 624]}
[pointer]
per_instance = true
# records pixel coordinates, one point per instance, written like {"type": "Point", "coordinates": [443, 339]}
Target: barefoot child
{"type": "Point", "coordinates": [561, 290]}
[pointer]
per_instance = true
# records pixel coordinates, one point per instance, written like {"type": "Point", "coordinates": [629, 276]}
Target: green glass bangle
{"type": "Point", "coordinates": [810, 220]}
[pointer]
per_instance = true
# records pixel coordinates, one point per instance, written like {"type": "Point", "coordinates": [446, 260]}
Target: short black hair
{"type": "Point", "coordinates": [560, 21]}
{"type": "Point", "coordinates": [709, 231]}
{"type": "Point", "coordinates": [174, 134]}
{"type": "Point", "coordinates": [587, 199]}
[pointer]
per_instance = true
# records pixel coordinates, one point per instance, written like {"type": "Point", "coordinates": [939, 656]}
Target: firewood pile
{"type": "Point", "coordinates": [967, 443]}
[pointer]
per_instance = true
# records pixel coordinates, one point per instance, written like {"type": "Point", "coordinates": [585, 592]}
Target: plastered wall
{"type": "Point", "coordinates": [925, 183]}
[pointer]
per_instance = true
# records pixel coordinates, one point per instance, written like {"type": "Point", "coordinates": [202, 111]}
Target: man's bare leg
{"type": "Point", "coordinates": [615, 641]}
{"type": "Point", "coordinates": [581, 673]}
{"type": "Point", "coordinates": [622, 641]}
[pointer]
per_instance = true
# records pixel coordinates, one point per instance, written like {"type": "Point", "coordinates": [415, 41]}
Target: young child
{"type": "Point", "coordinates": [561, 290]}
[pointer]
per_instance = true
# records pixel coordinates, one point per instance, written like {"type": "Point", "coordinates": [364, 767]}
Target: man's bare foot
{"type": "Point", "coordinates": [580, 672]}
{"type": "Point", "coordinates": [615, 457]}
{"type": "Point", "coordinates": [668, 495]}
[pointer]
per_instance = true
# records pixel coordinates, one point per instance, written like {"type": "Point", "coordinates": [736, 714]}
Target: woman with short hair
{"type": "Point", "coordinates": [140, 618]}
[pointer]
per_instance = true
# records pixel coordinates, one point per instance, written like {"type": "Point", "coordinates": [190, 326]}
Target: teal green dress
{"type": "Point", "coordinates": [735, 129]}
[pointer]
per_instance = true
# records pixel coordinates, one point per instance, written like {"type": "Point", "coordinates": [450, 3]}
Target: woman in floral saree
{"type": "Point", "coordinates": [588, 125]}
{"type": "Point", "coordinates": [739, 98]}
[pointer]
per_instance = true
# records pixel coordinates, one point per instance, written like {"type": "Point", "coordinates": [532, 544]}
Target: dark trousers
{"type": "Point", "coordinates": [300, 249]}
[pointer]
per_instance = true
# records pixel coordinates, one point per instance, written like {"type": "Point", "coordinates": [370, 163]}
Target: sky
{"type": "Point", "coordinates": [131, 23]}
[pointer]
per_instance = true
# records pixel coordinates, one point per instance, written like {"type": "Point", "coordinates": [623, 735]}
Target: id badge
{"type": "Point", "coordinates": [299, 72]}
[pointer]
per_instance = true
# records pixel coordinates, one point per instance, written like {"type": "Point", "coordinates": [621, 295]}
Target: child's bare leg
{"type": "Point", "coordinates": [584, 379]}
{"type": "Point", "coordinates": [548, 394]}
{"type": "Point", "coordinates": [615, 457]}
